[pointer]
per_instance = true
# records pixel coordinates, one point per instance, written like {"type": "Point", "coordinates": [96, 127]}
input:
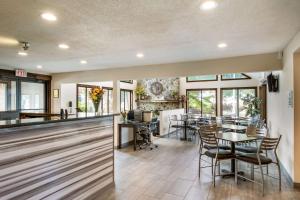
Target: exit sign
{"type": "Point", "coordinates": [21, 73]}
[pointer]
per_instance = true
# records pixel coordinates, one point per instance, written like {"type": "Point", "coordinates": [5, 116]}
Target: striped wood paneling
{"type": "Point", "coordinates": [65, 160]}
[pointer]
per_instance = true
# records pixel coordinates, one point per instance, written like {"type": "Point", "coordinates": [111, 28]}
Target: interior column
{"type": "Point", "coordinates": [116, 96]}
{"type": "Point", "coordinates": [116, 109]}
{"type": "Point", "coordinates": [296, 117]}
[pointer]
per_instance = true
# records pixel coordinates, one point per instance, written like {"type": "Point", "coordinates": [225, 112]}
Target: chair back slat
{"type": "Point", "coordinates": [173, 117]}
{"type": "Point", "coordinates": [270, 143]}
{"type": "Point", "coordinates": [184, 117]}
{"type": "Point", "coordinates": [207, 135]}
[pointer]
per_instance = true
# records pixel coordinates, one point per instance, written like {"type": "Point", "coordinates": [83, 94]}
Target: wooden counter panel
{"type": "Point", "coordinates": [60, 161]}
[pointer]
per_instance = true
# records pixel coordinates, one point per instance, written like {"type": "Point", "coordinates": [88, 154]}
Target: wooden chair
{"type": "Point", "coordinates": [174, 123]}
{"type": "Point", "coordinates": [267, 144]}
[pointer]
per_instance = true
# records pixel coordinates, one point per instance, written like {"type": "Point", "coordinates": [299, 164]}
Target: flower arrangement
{"type": "Point", "coordinates": [96, 95]}
{"type": "Point", "coordinates": [124, 115]}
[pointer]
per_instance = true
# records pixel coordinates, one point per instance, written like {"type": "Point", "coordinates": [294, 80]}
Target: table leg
{"type": "Point", "coordinates": [120, 137]}
{"type": "Point", "coordinates": [185, 127]}
{"type": "Point", "coordinates": [134, 138]}
{"type": "Point", "coordinates": [184, 131]}
{"type": "Point", "coordinates": [233, 160]}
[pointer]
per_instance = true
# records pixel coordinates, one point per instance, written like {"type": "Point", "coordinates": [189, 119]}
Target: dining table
{"type": "Point", "coordinates": [233, 127]}
{"type": "Point", "coordinates": [233, 138]}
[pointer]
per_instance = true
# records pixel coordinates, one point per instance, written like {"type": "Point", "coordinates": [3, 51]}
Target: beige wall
{"type": "Point", "coordinates": [281, 115]}
{"type": "Point", "coordinates": [251, 63]}
{"type": "Point", "coordinates": [297, 116]}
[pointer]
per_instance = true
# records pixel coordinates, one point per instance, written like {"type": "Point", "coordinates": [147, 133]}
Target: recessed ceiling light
{"type": "Point", "coordinates": [22, 53]}
{"type": "Point", "coordinates": [39, 66]}
{"type": "Point", "coordinates": [83, 61]}
{"type": "Point", "coordinates": [208, 5]}
{"type": "Point", "coordinates": [140, 55]}
{"type": "Point", "coordinates": [63, 46]}
{"type": "Point", "coordinates": [49, 16]}
{"type": "Point", "coordinates": [8, 41]}
{"type": "Point", "coordinates": [222, 45]}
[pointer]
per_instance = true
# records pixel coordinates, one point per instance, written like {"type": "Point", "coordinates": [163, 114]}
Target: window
{"type": "Point", "coordinates": [127, 81]}
{"type": "Point", "coordinates": [3, 97]}
{"type": "Point", "coordinates": [234, 76]}
{"type": "Point", "coordinates": [85, 104]}
{"type": "Point", "coordinates": [7, 95]}
{"type": "Point", "coordinates": [126, 100]}
{"type": "Point", "coordinates": [33, 96]}
{"type": "Point", "coordinates": [232, 100]}
{"type": "Point", "coordinates": [202, 101]}
{"type": "Point", "coordinates": [202, 78]}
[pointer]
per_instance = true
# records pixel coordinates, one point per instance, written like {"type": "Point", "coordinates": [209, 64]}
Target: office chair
{"type": "Point", "coordinates": [145, 134]}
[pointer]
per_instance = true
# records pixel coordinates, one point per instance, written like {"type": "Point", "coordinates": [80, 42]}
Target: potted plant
{"type": "Point", "coordinates": [140, 91]}
{"type": "Point", "coordinates": [252, 105]}
{"type": "Point", "coordinates": [174, 94]}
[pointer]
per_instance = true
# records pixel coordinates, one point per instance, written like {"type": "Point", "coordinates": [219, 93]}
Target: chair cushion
{"type": "Point", "coordinates": [224, 147]}
{"type": "Point", "coordinates": [223, 154]}
{"type": "Point", "coordinates": [177, 126]}
{"type": "Point", "coordinates": [193, 127]}
{"type": "Point", "coordinates": [246, 149]}
{"type": "Point", "coordinates": [252, 158]}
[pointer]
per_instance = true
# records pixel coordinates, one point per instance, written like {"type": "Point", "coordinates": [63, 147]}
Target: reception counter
{"type": "Point", "coordinates": [53, 158]}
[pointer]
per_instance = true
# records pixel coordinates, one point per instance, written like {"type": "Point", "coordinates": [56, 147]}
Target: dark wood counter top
{"type": "Point", "coordinates": [49, 119]}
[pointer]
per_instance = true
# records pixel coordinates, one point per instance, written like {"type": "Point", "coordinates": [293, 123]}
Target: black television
{"type": "Point", "coordinates": [273, 82]}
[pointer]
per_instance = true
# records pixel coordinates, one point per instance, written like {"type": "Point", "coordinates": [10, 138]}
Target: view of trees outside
{"type": "Point", "coordinates": [202, 78]}
{"type": "Point", "coordinates": [233, 103]}
{"type": "Point", "coordinates": [126, 100]}
{"type": "Point", "coordinates": [202, 102]}
{"type": "Point", "coordinates": [234, 76]}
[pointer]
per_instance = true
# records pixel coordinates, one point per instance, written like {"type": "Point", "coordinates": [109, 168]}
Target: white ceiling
{"type": "Point", "coordinates": [109, 33]}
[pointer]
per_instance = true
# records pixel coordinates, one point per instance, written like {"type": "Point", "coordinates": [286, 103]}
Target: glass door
{"type": "Point", "coordinates": [81, 99]}
{"type": "Point", "coordinates": [202, 101]}
{"type": "Point", "coordinates": [3, 96]}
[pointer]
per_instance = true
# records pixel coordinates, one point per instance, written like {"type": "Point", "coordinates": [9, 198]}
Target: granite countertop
{"type": "Point", "coordinates": [52, 119]}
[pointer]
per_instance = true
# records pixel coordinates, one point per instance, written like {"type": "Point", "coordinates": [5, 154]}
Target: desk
{"type": "Point", "coordinates": [234, 138]}
{"type": "Point", "coordinates": [126, 125]}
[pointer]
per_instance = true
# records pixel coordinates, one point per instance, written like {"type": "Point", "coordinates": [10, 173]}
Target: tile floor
{"type": "Point", "coordinates": [170, 173]}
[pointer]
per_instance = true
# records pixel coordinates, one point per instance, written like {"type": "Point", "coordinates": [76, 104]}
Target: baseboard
{"type": "Point", "coordinates": [289, 178]}
{"type": "Point", "coordinates": [297, 185]}
{"type": "Point", "coordinates": [127, 144]}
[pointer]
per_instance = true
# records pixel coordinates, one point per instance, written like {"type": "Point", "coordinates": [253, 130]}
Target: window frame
{"type": "Point", "coordinates": [10, 75]}
{"type": "Point", "coordinates": [188, 81]}
{"type": "Point", "coordinates": [238, 99]}
{"type": "Point", "coordinates": [110, 89]}
{"type": "Point", "coordinates": [235, 79]}
{"type": "Point", "coordinates": [131, 99]}
{"type": "Point", "coordinates": [127, 81]}
{"type": "Point", "coordinates": [45, 93]}
{"type": "Point", "coordinates": [201, 89]}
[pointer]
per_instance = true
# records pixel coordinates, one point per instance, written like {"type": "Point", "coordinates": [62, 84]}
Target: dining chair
{"type": "Point", "coordinates": [174, 123]}
{"type": "Point", "coordinates": [209, 146]}
{"type": "Point", "coordinates": [258, 159]}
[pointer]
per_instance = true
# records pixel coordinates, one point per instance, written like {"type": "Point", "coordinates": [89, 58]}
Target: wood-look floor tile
{"type": "Point", "coordinates": [171, 197]}
{"type": "Point", "coordinates": [171, 173]}
{"type": "Point", "coordinates": [180, 187]}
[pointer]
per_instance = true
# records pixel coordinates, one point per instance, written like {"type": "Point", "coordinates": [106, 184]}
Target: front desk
{"type": "Point", "coordinates": [52, 158]}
